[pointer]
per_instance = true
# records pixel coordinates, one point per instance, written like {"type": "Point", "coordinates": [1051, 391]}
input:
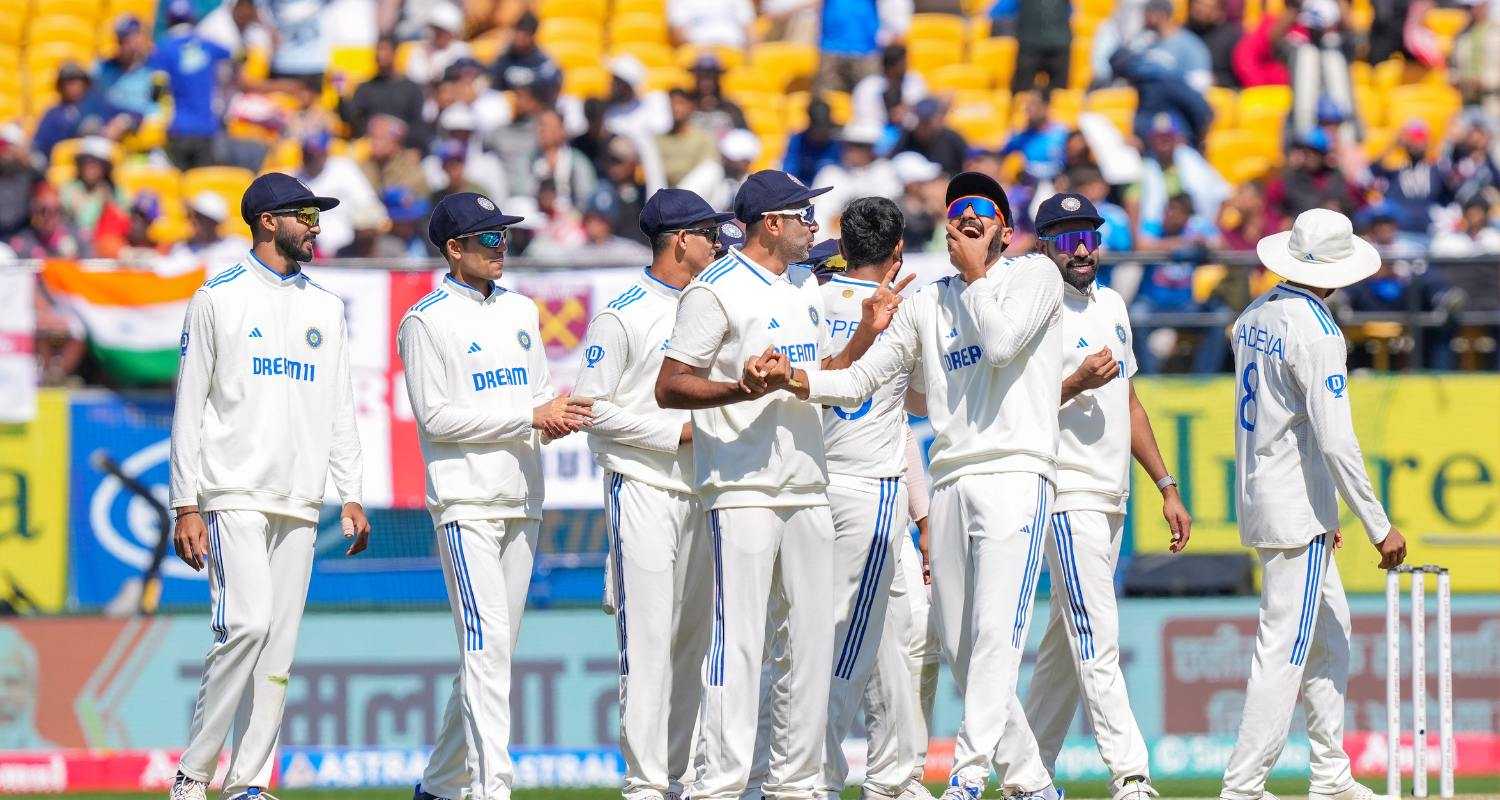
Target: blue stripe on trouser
{"type": "Point", "coordinates": [864, 598]}
{"type": "Point", "coordinates": [473, 628]}
{"type": "Point", "coordinates": [615, 483]}
{"type": "Point", "coordinates": [1033, 564]}
{"type": "Point", "coordinates": [1067, 551]}
{"type": "Point", "coordinates": [1310, 592]}
{"type": "Point", "coordinates": [221, 630]}
{"type": "Point", "coordinates": [716, 643]}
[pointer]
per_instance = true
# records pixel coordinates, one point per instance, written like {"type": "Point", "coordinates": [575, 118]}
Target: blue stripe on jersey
{"type": "Point", "coordinates": [853, 281]}
{"type": "Point", "coordinates": [864, 599]}
{"type": "Point", "coordinates": [430, 300]}
{"type": "Point", "coordinates": [273, 273]}
{"type": "Point", "coordinates": [658, 281]}
{"type": "Point", "coordinates": [1067, 553]}
{"type": "Point", "coordinates": [718, 269]}
{"type": "Point", "coordinates": [1033, 565]}
{"type": "Point", "coordinates": [1324, 320]}
{"type": "Point", "coordinates": [1311, 589]}
{"type": "Point", "coordinates": [627, 297]}
{"type": "Point", "coordinates": [716, 636]}
{"type": "Point", "coordinates": [744, 262]}
{"type": "Point", "coordinates": [618, 546]}
{"type": "Point", "coordinates": [225, 276]}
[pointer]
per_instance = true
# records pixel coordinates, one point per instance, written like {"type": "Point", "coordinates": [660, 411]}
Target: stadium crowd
{"type": "Point", "coordinates": [132, 126]}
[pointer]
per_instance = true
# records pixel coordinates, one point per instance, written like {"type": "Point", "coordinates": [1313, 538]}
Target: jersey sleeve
{"type": "Point", "coordinates": [606, 352]}
{"type": "Point", "coordinates": [437, 417]}
{"type": "Point", "coordinates": [1325, 387]}
{"type": "Point", "coordinates": [194, 378]}
{"type": "Point", "coordinates": [345, 458]}
{"type": "Point", "coordinates": [916, 478]}
{"type": "Point", "coordinates": [1008, 320]}
{"type": "Point", "coordinates": [894, 352]}
{"type": "Point", "coordinates": [700, 328]}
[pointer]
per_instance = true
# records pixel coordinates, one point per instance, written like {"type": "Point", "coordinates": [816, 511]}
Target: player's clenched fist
{"type": "Point", "coordinates": [762, 372]}
{"type": "Point", "coordinates": [1098, 369]}
{"type": "Point", "coordinates": [1392, 549]}
{"type": "Point", "coordinates": [562, 415]}
{"type": "Point", "coordinates": [191, 538]}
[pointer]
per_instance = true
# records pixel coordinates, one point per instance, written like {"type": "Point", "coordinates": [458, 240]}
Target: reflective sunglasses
{"type": "Point", "coordinates": [983, 207]}
{"type": "Point", "coordinates": [491, 239]}
{"type": "Point", "coordinates": [710, 233]}
{"type": "Point", "coordinates": [308, 216]}
{"type": "Point", "coordinates": [1068, 242]}
{"type": "Point", "coordinates": [806, 214]}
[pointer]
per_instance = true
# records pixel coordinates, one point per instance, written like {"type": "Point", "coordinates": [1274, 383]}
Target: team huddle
{"type": "Point", "coordinates": [748, 406]}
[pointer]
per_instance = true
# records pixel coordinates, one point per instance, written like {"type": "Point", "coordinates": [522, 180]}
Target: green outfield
{"type": "Point", "coordinates": [1467, 789]}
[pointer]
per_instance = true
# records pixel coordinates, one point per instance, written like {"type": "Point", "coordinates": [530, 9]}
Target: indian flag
{"type": "Point", "coordinates": [133, 316]}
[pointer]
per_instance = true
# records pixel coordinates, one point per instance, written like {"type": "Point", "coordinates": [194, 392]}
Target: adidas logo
{"type": "Point", "coordinates": [953, 334]}
{"type": "Point", "coordinates": [255, 333]}
{"type": "Point", "coordinates": [474, 347]}
{"type": "Point", "coordinates": [1082, 343]}
{"type": "Point", "coordinates": [774, 323]}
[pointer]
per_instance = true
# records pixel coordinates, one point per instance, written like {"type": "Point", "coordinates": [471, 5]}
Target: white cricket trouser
{"type": "Point", "coordinates": [987, 540]}
{"type": "Point", "coordinates": [897, 748]}
{"type": "Point", "coordinates": [487, 569]}
{"type": "Point", "coordinates": [661, 580]}
{"type": "Point", "coordinates": [1302, 644]}
{"type": "Point", "coordinates": [1080, 652]}
{"type": "Point", "coordinates": [870, 518]}
{"type": "Point", "coordinates": [258, 568]}
{"type": "Point", "coordinates": [759, 552]}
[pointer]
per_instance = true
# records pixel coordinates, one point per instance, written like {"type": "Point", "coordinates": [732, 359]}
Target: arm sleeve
{"type": "Point", "coordinates": [194, 376]}
{"type": "Point", "coordinates": [606, 351]}
{"type": "Point", "coordinates": [437, 418]}
{"type": "Point", "coordinates": [1007, 321]}
{"type": "Point", "coordinates": [345, 462]}
{"type": "Point", "coordinates": [916, 479]}
{"type": "Point", "coordinates": [700, 328]}
{"type": "Point", "coordinates": [1326, 393]}
{"type": "Point", "coordinates": [893, 352]}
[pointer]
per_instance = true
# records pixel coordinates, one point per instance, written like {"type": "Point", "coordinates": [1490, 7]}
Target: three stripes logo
{"type": "Point", "coordinates": [255, 333]}
{"type": "Point", "coordinates": [1082, 342]}
{"type": "Point", "coordinates": [474, 347]}
{"type": "Point", "coordinates": [774, 324]}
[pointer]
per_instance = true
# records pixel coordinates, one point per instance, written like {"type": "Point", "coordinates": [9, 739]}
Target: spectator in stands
{"type": "Point", "coordinates": [1256, 60]}
{"type": "Point", "coordinates": [391, 162]}
{"type": "Point", "coordinates": [1401, 286]}
{"type": "Point", "coordinates": [712, 111]}
{"type": "Point", "coordinates": [599, 214]}
{"type": "Point", "coordinates": [719, 180]}
{"type": "Point", "coordinates": [207, 246]}
{"type": "Point", "coordinates": [1315, 53]}
{"type": "Point", "coordinates": [520, 56]}
{"type": "Point", "coordinates": [385, 92]}
{"type": "Point", "coordinates": [1077, 154]}
{"type": "Point", "coordinates": [1417, 186]}
{"type": "Point", "coordinates": [91, 200]}
{"type": "Point", "coordinates": [17, 178]}
{"type": "Point", "coordinates": [1310, 179]}
{"type": "Point", "coordinates": [515, 142]}
{"type": "Point", "coordinates": [922, 193]}
{"type": "Point", "coordinates": [886, 97]}
{"type": "Point", "coordinates": [1209, 21]}
{"type": "Point", "coordinates": [309, 114]}
{"type": "Point", "coordinates": [1167, 287]}
{"type": "Point", "coordinates": [405, 238]}
{"type": "Point", "coordinates": [236, 26]}
{"type": "Point", "coordinates": [858, 174]}
{"type": "Point", "coordinates": [933, 139]}
{"type": "Point", "coordinates": [1169, 168]}
{"type": "Point", "coordinates": [59, 333]}
{"type": "Point", "coordinates": [1002, 16]}
{"type": "Point", "coordinates": [451, 157]}
{"type": "Point", "coordinates": [1173, 49]}
{"type": "Point", "coordinates": [1163, 91]}
{"type": "Point", "coordinates": [140, 246]}
{"type": "Point", "coordinates": [124, 79]}
{"type": "Point", "coordinates": [595, 137]}
{"type": "Point", "coordinates": [302, 44]}
{"type": "Point", "coordinates": [685, 146]}
{"type": "Point", "coordinates": [849, 42]}
{"type": "Point", "coordinates": [458, 124]}
{"type": "Point", "coordinates": [711, 22]}
{"type": "Point", "coordinates": [1046, 44]}
{"type": "Point", "coordinates": [631, 110]}
{"type": "Point", "coordinates": [341, 177]}
{"type": "Point", "coordinates": [623, 178]}
{"type": "Point", "coordinates": [79, 112]}
{"type": "Point", "coordinates": [1041, 142]}
{"type": "Point", "coordinates": [48, 232]}
{"type": "Point", "coordinates": [791, 21]}
{"type": "Point", "coordinates": [814, 148]}
{"type": "Point", "coordinates": [442, 45]}
{"type": "Point", "coordinates": [1116, 231]}
{"type": "Point", "coordinates": [195, 68]}
{"type": "Point", "coordinates": [1476, 70]}
{"type": "Point", "coordinates": [1381, 224]}
{"type": "Point", "coordinates": [561, 226]}
{"type": "Point", "coordinates": [1472, 235]}
{"type": "Point", "coordinates": [1342, 130]}
{"type": "Point", "coordinates": [1469, 169]}
{"type": "Point", "coordinates": [556, 160]}
{"type": "Point", "coordinates": [1243, 220]}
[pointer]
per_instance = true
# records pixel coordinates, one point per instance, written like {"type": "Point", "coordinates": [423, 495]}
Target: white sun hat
{"type": "Point", "coordinates": [1320, 250]}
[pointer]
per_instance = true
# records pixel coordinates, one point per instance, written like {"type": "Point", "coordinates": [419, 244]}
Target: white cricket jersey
{"type": "Point", "coordinates": [989, 356]}
{"type": "Point", "coordinates": [1294, 438]}
{"type": "Point", "coordinates": [766, 452]}
{"type": "Point", "coordinates": [475, 371]}
{"type": "Point", "coordinates": [265, 406]}
{"type": "Point", "coordinates": [866, 440]}
{"type": "Point", "coordinates": [1093, 445]}
{"type": "Point", "coordinates": [622, 354]}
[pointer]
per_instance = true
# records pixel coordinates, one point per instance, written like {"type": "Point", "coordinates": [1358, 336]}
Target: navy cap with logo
{"type": "Point", "coordinates": [276, 191]}
{"type": "Point", "coordinates": [678, 209]}
{"type": "Point", "coordinates": [772, 190]}
{"type": "Point", "coordinates": [1066, 207]}
{"type": "Point", "coordinates": [464, 213]}
{"type": "Point", "coordinates": [978, 184]}
{"type": "Point", "coordinates": [730, 235]}
{"type": "Point", "coordinates": [825, 259]}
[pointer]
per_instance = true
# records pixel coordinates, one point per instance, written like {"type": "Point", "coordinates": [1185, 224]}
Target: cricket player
{"type": "Point", "coordinates": [1102, 424]}
{"type": "Point", "coordinates": [987, 343]}
{"type": "Point", "coordinates": [477, 378]}
{"type": "Point", "coordinates": [265, 412]}
{"type": "Point", "coordinates": [1295, 453]}
{"type": "Point", "coordinates": [761, 473]}
{"type": "Point", "coordinates": [660, 574]}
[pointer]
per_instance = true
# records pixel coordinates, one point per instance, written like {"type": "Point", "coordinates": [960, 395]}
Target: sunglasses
{"type": "Point", "coordinates": [983, 207]}
{"type": "Point", "coordinates": [1068, 242]}
{"type": "Point", "coordinates": [491, 239]}
{"type": "Point", "coordinates": [806, 214]}
{"type": "Point", "coordinates": [308, 216]}
{"type": "Point", "coordinates": [711, 233]}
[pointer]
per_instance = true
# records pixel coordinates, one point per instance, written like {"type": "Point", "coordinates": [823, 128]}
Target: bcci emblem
{"type": "Point", "coordinates": [524, 339]}
{"type": "Point", "coordinates": [812, 314]}
{"type": "Point", "coordinates": [1336, 384]}
{"type": "Point", "coordinates": [314, 338]}
{"type": "Point", "coordinates": [1071, 204]}
{"type": "Point", "coordinates": [182, 344]}
{"type": "Point", "coordinates": [730, 230]}
{"type": "Point", "coordinates": [1120, 332]}
{"type": "Point", "coordinates": [593, 355]}
{"type": "Point", "coordinates": [485, 203]}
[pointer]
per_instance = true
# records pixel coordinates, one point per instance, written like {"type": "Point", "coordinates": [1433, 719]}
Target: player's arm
{"type": "Point", "coordinates": [345, 461]}
{"type": "Point", "coordinates": [606, 351]}
{"type": "Point", "coordinates": [1099, 368]}
{"type": "Point", "coordinates": [1325, 388]}
{"type": "Point", "coordinates": [699, 330]}
{"type": "Point", "coordinates": [917, 499]}
{"type": "Point", "coordinates": [1143, 447]}
{"type": "Point", "coordinates": [875, 315]}
{"type": "Point", "coordinates": [194, 378]}
{"type": "Point", "coordinates": [1008, 320]}
{"type": "Point", "coordinates": [891, 354]}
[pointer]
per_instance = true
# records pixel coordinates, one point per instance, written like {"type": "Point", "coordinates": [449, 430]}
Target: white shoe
{"type": "Point", "coordinates": [1354, 792]}
{"type": "Point", "coordinates": [185, 788]}
{"type": "Point", "coordinates": [1140, 789]}
{"type": "Point", "coordinates": [962, 790]}
{"type": "Point", "coordinates": [254, 793]}
{"type": "Point", "coordinates": [914, 790]}
{"type": "Point", "coordinates": [1053, 792]}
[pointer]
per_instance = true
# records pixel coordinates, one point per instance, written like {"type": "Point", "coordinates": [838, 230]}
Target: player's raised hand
{"type": "Point", "coordinates": [879, 309]}
{"type": "Point", "coordinates": [1392, 549]}
{"type": "Point", "coordinates": [356, 528]}
{"type": "Point", "coordinates": [1179, 521]}
{"type": "Point", "coordinates": [190, 538]}
{"type": "Point", "coordinates": [563, 415]}
{"type": "Point", "coordinates": [970, 254]}
{"type": "Point", "coordinates": [1099, 368]}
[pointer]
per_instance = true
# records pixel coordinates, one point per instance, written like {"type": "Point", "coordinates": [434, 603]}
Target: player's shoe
{"type": "Point", "coordinates": [422, 794]}
{"type": "Point", "coordinates": [1053, 792]}
{"type": "Point", "coordinates": [185, 788]}
{"type": "Point", "coordinates": [254, 793]}
{"type": "Point", "coordinates": [963, 790]}
{"type": "Point", "coordinates": [1136, 788]}
{"type": "Point", "coordinates": [1354, 792]}
{"type": "Point", "coordinates": [914, 790]}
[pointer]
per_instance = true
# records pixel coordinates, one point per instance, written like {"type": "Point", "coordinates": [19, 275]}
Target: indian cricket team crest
{"type": "Point", "coordinates": [485, 203]}
{"type": "Point", "coordinates": [729, 229]}
{"type": "Point", "coordinates": [524, 339]}
{"type": "Point", "coordinates": [314, 338]}
{"type": "Point", "coordinates": [1071, 204]}
{"type": "Point", "coordinates": [1120, 332]}
{"type": "Point", "coordinates": [812, 314]}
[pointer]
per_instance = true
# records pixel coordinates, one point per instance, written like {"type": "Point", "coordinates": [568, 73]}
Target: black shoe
{"type": "Point", "coordinates": [418, 794]}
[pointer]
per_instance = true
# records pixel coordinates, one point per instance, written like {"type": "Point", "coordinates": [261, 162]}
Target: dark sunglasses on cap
{"type": "Point", "coordinates": [983, 207]}
{"type": "Point", "coordinates": [308, 216]}
{"type": "Point", "coordinates": [1068, 242]}
{"type": "Point", "coordinates": [490, 239]}
{"type": "Point", "coordinates": [710, 233]}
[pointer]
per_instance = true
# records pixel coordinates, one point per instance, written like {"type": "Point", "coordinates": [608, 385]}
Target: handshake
{"type": "Point", "coordinates": [562, 415]}
{"type": "Point", "coordinates": [769, 372]}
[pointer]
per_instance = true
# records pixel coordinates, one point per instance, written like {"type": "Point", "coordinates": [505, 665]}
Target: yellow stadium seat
{"type": "Point", "coordinates": [1065, 105]}
{"type": "Point", "coordinates": [654, 7]}
{"type": "Point", "coordinates": [356, 62]}
{"type": "Point", "coordinates": [1111, 97]}
{"type": "Point", "coordinates": [485, 49]}
{"type": "Point", "coordinates": [1081, 64]}
{"type": "Point", "coordinates": [12, 29]}
{"type": "Point", "coordinates": [665, 78]}
{"type": "Point", "coordinates": [285, 156]}
{"type": "Point", "coordinates": [1225, 102]}
{"type": "Point", "coordinates": [1360, 17]}
{"type": "Point", "coordinates": [1084, 26]}
{"type": "Point", "coordinates": [1276, 97]}
{"type": "Point", "coordinates": [766, 123]}
{"type": "Point", "coordinates": [729, 58]}
{"type": "Point", "coordinates": [1244, 168]}
{"type": "Point", "coordinates": [1095, 8]}
{"type": "Point", "coordinates": [997, 55]}
{"type": "Point", "coordinates": [927, 55]}
{"type": "Point", "coordinates": [629, 28]}
{"type": "Point", "coordinates": [571, 55]}
{"type": "Point", "coordinates": [12, 107]}
{"type": "Point", "coordinates": [1446, 22]}
{"type": "Point", "coordinates": [788, 61]}
{"type": "Point", "coordinates": [170, 228]}
{"type": "Point", "coordinates": [949, 29]}
{"type": "Point", "coordinates": [746, 81]}
{"type": "Point", "coordinates": [1435, 104]}
{"type": "Point", "coordinates": [1389, 73]}
{"type": "Point", "coordinates": [840, 107]}
{"type": "Point", "coordinates": [1361, 73]}
{"type": "Point", "coordinates": [164, 182]}
{"type": "Point", "coordinates": [66, 151]}
{"type": "Point", "coordinates": [586, 82]}
{"type": "Point", "coordinates": [653, 55]}
{"type": "Point", "coordinates": [572, 30]}
{"type": "Point", "coordinates": [1270, 121]}
{"type": "Point", "coordinates": [959, 78]}
{"type": "Point", "coordinates": [1378, 141]}
{"type": "Point", "coordinates": [226, 182]}
{"type": "Point", "coordinates": [1369, 104]}
{"type": "Point", "coordinates": [762, 101]}
{"type": "Point", "coordinates": [89, 10]}
{"type": "Point", "coordinates": [145, 9]}
{"type": "Point", "coordinates": [981, 124]}
{"type": "Point", "coordinates": [10, 62]}
{"type": "Point", "coordinates": [593, 10]}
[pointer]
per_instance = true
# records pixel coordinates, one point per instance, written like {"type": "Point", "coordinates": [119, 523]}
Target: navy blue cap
{"type": "Point", "coordinates": [772, 190]}
{"type": "Point", "coordinates": [978, 184]}
{"type": "Point", "coordinates": [675, 210]}
{"type": "Point", "coordinates": [464, 213]}
{"type": "Point", "coordinates": [825, 258]}
{"type": "Point", "coordinates": [274, 191]}
{"type": "Point", "coordinates": [1064, 207]}
{"type": "Point", "coordinates": [731, 235]}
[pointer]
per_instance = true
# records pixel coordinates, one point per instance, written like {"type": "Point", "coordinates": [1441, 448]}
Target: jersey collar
{"type": "Point", "coordinates": [844, 279]}
{"type": "Point", "coordinates": [271, 276]}
{"type": "Point", "coordinates": [1085, 293]}
{"type": "Point", "coordinates": [764, 274]}
{"type": "Point", "coordinates": [1290, 289]}
{"type": "Point", "coordinates": [657, 285]}
{"type": "Point", "coordinates": [464, 289]}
